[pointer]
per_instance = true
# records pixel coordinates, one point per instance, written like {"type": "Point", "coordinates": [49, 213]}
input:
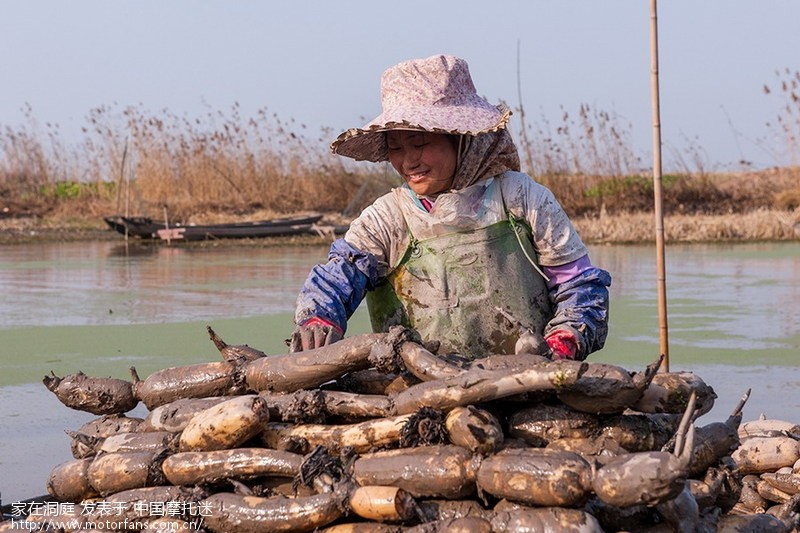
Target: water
{"type": "Point", "coordinates": [101, 307]}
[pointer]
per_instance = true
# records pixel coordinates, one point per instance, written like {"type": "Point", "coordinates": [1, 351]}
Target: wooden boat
{"type": "Point", "coordinates": [147, 228]}
{"type": "Point", "coordinates": [134, 226]}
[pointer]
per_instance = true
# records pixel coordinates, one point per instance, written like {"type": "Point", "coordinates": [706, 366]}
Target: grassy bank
{"type": "Point", "coordinates": [752, 207]}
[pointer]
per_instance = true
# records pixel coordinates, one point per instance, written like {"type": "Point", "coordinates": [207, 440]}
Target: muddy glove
{"type": "Point", "coordinates": [563, 344]}
{"type": "Point", "coordinates": [313, 333]}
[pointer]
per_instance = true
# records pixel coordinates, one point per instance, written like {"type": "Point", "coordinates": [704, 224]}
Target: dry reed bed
{"type": "Point", "coordinates": [226, 166]}
{"type": "Point", "coordinates": [759, 225]}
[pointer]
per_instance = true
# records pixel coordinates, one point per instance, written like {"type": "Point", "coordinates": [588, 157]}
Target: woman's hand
{"type": "Point", "coordinates": [563, 344]}
{"type": "Point", "coordinates": [314, 333]}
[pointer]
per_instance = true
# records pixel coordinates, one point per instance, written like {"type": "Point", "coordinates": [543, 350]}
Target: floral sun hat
{"type": "Point", "coordinates": [435, 94]}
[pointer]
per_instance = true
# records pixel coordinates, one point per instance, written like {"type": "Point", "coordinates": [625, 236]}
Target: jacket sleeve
{"type": "Point", "coordinates": [580, 306]}
{"type": "Point", "coordinates": [334, 290]}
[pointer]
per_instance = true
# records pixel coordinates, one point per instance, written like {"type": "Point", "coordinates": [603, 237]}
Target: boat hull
{"type": "Point", "coordinates": [146, 228]}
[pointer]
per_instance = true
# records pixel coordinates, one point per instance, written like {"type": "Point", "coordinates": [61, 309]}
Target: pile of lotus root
{"type": "Point", "coordinates": [376, 433]}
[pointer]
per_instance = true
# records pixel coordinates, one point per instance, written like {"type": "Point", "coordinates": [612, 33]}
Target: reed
{"type": "Point", "coordinates": [786, 125]}
{"type": "Point", "coordinates": [587, 142]}
{"type": "Point", "coordinates": [149, 164]}
{"type": "Point", "coordinates": [224, 162]}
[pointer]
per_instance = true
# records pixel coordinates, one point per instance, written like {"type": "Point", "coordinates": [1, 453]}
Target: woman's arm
{"type": "Point", "coordinates": [334, 290]}
{"type": "Point", "coordinates": [580, 320]}
{"type": "Point", "coordinates": [578, 290]}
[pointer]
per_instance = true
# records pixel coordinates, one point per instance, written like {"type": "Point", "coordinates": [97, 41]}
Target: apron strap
{"type": "Point", "coordinates": [515, 224]}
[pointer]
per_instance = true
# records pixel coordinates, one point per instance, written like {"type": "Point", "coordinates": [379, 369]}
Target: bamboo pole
{"type": "Point", "coordinates": [166, 225]}
{"type": "Point", "coordinates": [123, 176]}
{"type": "Point", "coordinates": [661, 277]}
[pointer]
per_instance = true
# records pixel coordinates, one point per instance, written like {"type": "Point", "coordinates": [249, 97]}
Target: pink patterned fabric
{"type": "Point", "coordinates": [435, 94]}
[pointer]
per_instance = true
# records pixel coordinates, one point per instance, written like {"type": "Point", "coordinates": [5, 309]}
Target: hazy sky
{"type": "Point", "coordinates": [319, 62]}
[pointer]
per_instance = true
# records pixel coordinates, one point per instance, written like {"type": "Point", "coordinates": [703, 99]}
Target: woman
{"type": "Point", "coordinates": [468, 249]}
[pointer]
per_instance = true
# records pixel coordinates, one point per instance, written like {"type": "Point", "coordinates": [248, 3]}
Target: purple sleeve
{"type": "Point", "coordinates": [563, 273]}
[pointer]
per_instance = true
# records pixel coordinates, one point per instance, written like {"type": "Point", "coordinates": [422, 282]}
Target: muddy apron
{"type": "Point", "coordinates": [449, 286]}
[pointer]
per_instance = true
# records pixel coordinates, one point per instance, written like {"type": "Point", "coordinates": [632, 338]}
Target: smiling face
{"type": "Point", "coordinates": [426, 161]}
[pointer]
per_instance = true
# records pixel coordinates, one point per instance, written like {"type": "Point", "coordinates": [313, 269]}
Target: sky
{"type": "Point", "coordinates": [319, 62]}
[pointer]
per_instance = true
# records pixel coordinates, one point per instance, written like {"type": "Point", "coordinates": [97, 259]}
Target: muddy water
{"type": "Point", "coordinates": [101, 307]}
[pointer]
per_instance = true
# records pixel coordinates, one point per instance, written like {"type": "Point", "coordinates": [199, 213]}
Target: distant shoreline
{"type": "Point", "coordinates": [628, 228]}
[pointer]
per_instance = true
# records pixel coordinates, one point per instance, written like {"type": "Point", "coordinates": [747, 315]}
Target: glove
{"type": "Point", "coordinates": [563, 344]}
{"type": "Point", "coordinates": [313, 333]}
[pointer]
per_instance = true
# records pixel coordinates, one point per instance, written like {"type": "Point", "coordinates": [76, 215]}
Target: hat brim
{"type": "Point", "coordinates": [368, 143]}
